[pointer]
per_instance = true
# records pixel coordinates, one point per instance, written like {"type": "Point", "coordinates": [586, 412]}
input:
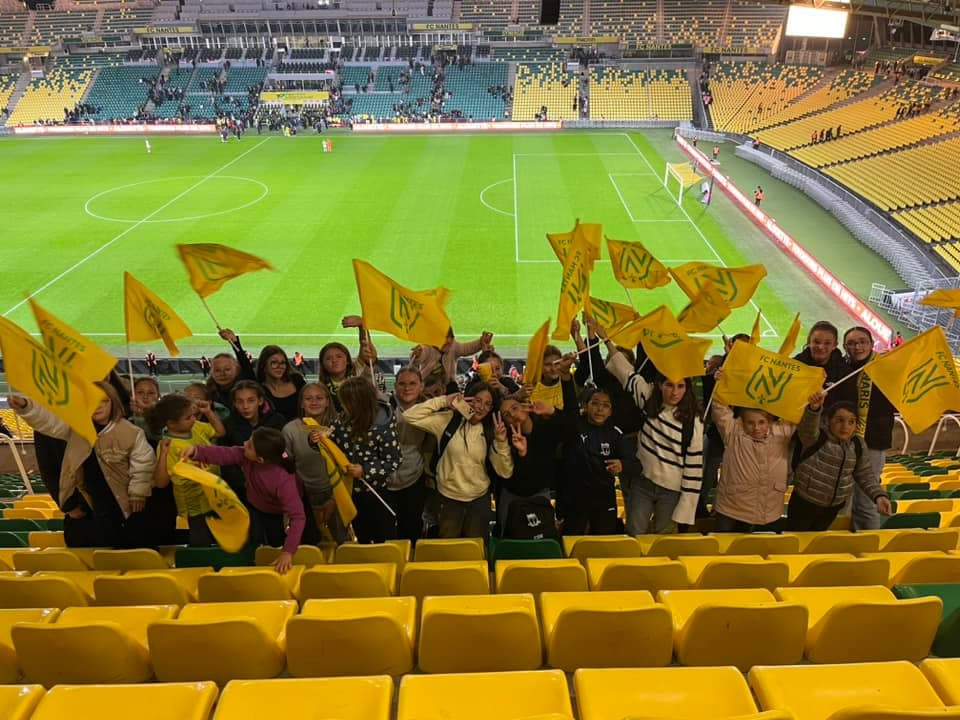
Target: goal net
{"type": "Point", "coordinates": [678, 178]}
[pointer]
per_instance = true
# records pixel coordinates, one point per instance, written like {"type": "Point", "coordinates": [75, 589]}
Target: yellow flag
{"type": "Point", "coordinates": [919, 378]}
{"type": "Point", "coordinates": [635, 267]}
{"type": "Point", "coordinates": [417, 316]}
{"type": "Point", "coordinates": [533, 370]}
{"type": "Point", "coordinates": [587, 233]}
{"type": "Point", "coordinates": [232, 527]}
{"type": "Point", "coordinates": [574, 287]}
{"type": "Point", "coordinates": [735, 285]}
{"type": "Point", "coordinates": [210, 265]}
{"type": "Point", "coordinates": [341, 482]}
{"type": "Point", "coordinates": [755, 331]}
{"type": "Point", "coordinates": [756, 378]}
{"type": "Point", "coordinates": [83, 357]}
{"type": "Point", "coordinates": [944, 299]}
{"type": "Point", "coordinates": [147, 317]}
{"type": "Point", "coordinates": [670, 349]}
{"type": "Point", "coordinates": [609, 314]}
{"type": "Point", "coordinates": [36, 371]}
{"type": "Point", "coordinates": [707, 310]}
{"type": "Point", "coordinates": [790, 341]}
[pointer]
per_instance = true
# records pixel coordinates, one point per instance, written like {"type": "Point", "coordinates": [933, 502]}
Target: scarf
{"type": "Point", "coordinates": [864, 390]}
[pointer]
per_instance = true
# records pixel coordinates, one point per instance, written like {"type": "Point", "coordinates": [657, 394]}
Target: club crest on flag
{"type": "Point", "coordinates": [935, 373]}
{"type": "Point", "coordinates": [50, 379]}
{"type": "Point", "coordinates": [404, 311]}
{"type": "Point", "coordinates": [767, 385]}
{"type": "Point", "coordinates": [660, 339]}
{"type": "Point", "coordinates": [155, 317]}
{"type": "Point", "coordinates": [635, 264]}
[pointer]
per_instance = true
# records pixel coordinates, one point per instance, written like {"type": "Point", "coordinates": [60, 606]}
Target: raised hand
{"type": "Point", "coordinates": [17, 402]}
{"type": "Point", "coordinates": [352, 321]}
{"type": "Point", "coordinates": [229, 335]}
{"type": "Point", "coordinates": [499, 429]}
{"type": "Point", "coordinates": [518, 440]}
{"type": "Point", "coordinates": [816, 400]}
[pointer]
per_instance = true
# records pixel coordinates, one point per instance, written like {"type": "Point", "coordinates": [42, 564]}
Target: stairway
{"type": "Point", "coordinates": [21, 87]}
{"type": "Point", "coordinates": [28, 29]}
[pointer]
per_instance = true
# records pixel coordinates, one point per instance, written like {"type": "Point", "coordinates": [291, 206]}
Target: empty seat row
{"type": "Point", "coordinates": [464, 633]}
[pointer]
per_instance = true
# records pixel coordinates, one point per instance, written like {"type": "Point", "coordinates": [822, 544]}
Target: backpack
{"type": "Point", "coordinates": [448, 432]}
{"type": "Point", "coordinates": [800, 453]}
{"type": "Point", "coordinates": [531, 519]}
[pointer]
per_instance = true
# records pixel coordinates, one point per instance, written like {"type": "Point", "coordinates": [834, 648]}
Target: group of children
{"type": "Point", "coordinates": [429, 457]}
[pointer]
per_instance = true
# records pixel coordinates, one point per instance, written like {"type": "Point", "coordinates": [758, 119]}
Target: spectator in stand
{"type": "Point", "coordinates": [430, 360]}
{"type": "Point", "coordinates": [204, 366]}
{"type": "Point", "coordinates": [406, 489]}
{"type": "Point", "coordinates": [248, 411]}
{"type": "Point", "coordinates": [280, 382]}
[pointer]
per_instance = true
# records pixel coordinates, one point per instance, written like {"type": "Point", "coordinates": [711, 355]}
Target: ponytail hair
{"type": "Point", "coordinates": [269, 445]}
{"type": "Point", "coordinates": [170, 407]}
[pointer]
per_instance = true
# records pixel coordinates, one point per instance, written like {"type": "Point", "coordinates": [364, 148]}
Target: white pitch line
{"type": "Point", "coordinates": [696, 227]}
{"type": "Point", "coordinates": [622, 199]}
{"type": "Point", "coordinates": [488, 205]}
{"type": "Point", "coordinates": [516, 214]}
{"type": "Point", "coordinates": [131, 229]}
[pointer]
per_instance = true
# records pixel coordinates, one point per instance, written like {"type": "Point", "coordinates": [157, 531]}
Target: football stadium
{"type": "Point", "coordinates": [472, 359]}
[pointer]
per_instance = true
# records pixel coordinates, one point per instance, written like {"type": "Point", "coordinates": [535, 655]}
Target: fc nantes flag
{"type": "Point", "coordinates": [37, 372]}
{"type": "Point", "coordinates": [735, 285]}
{"type": "Point", "coordinates": [670, 349]}
{"type": "Point", "coordinates": [210, 265]}
{"type": "Point", "coordinates": [574, 286]}
{"type": "Point", "coordinates": [919, 378]}
{"type": "Point", "coordinates": [755, 331]}
{"type": "Point", "coordinates": [533, 370]}
{"type": "Point", "coordinates": [790, 341]}
{"type": "Point", "coordinates": [341, 482]}
{"type": "Point", "coordinates": [587, 233]}
{"type": "Point", "coordinates": [707, 310]}
{"type": "Point", "coordinates": [609, 314]}
{"type": "Point", "coordinates": [232, 527]}
{"type": "Point", "coordinates": [84, 358]}
{"type": "Point", "coordinates": [944, 299]}
{"type": "Point", "coordinates": [756, 378]}
{"type": "Point", "coordinates": [635, 267]}
{"type": "Point", "coordinates": [417, 316]}
{"type": "Point", "coordinates": [147, 317]}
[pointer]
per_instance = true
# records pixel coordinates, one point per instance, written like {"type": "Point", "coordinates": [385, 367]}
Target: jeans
{"type": "Point", "coordinates": [647, 499]}
{"type": "Point", "coordinates": [864, 515]}
{"type": "Point", "coordinates": [465, 518]}
{"type": "Point", "coordinates": [712, 459]}
{"type": "Point", "coordinates": [507, 498]}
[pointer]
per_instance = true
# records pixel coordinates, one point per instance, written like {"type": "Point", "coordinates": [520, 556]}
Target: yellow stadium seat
{"type": "Point", "coordinates": [673, 546]}
{"type": "Point", "coordinates": [35, 501]}
{"type": "Point", "coordinates": [353, 636]}
{"type": "Point", "coordinates": [911, 568]}
{"type": "Point", "coordinates": [819, 570]}
{"type": "Point", "coordinates": [734, 571]}
{"type": "Point", "coordinates": [738, 627]}
{"type": "Point", "coordinates": [222, 641]}
{"type": "Point", "coordinates": [53, 590]}
{"type": "Point", "coordinates": [9, 667]}
{"type": "Point", "coordinates": [918, 540]}
{"type": "Point", "coordinates": [651, 574]}
{"type": "Point", "coordinates": [17, 702]}
{"type": "Point", "coordinates": [49, 559]}
{"type": "Point", "coordinates": [349, 580]}
{"type": "Point", "coordinates": [139, 559]}
{"type": "Point", "coordinates": [479, 633]}
{"type": "Point", "coordinates": [605, 629]}
{"type": "Point", "coordinates": [757, 544]}
{"type": "Point", "coordinates": [944, 675]}
{"type": "Point", "coordinates": [419, 579]}
{"type": "Point", "coordinates": [154, 701]}
{"type": "Point", "coordinates": [484, 696]}
{"type": "Point", "coordinates": [173, 586]}
{"type": "Point", "coordinates": [246, 584]}
{"type": "Point", "coordinates": [718, 693]}
{"type": "Point", "coordinates": [357, 698]}
{"type": "Point", "coordinates": [89, 645]}
{"type": "Point", "coordinates": [32, 513]}
{"type": "Point", "coordinates": [865, 623]}
{"type": "Point", "coordinates": [46, 539]}
{"type": "Point", "coordinates": [306, 555]}
{"type": "Point", "coordinates": [862, 691]}
{"type": "Point", "coordinates": [596, 546]}
{"type": "Point", "coordinates": [837, 542]}
{"type": "Point", "coordinates": [393, 551]}
{"type": "Point", "coordinates": [462, 549]}
{"type": "Point", "coordinates": [537, 576]}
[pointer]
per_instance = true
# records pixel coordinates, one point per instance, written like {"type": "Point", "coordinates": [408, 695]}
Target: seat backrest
{"type": "Point", "coordinates": [185, 701]}
{"type": "Point", "coordinates": [445, 578]}
{"type": "Point", "coordinates": [536, 576]}
{"type": "Point", "coordinates": [46, 539]}
{"type": "Point", "coordinates": [767, 574]}
{"type": "Point", "coordinates": [601, 546]}
{"type": "Point", "coordinates": [140, 590]}
{"type": "Point", "coordinates": [945, 539]}
{"type": "Point", "coordinates": [41, 592]}
{"type": "Point", "coordinates": [349, 580]}
{"type": "Point", "coordinates": [377, 553]}
{"type": "Point", "coordinates": [306, 555]}
{"type": "Point", "coordinates": [852, 571]}
{"type": "Point", "coordinates": [932, 569]}
{"type": "Point", "coordinates": [653, 578]}
{"type": "Point", "coordinates": [248, 585]}
{"type": "Point", "coordinates": [911, 520]}
{"type": "Point", "coordinates": [49, 559]}
{"type": "Point", "coordinates": [674, 546]}
{"type": "Point", "coordinates": [832, 542]}
{"type": "Point", "coordinates": [463, 549]}
{"type": "Point", "coordinates": [764, 544]}
{"type": "Point", "coordinates": [137, 559]}
{"type": "Point", "coordinates": [524, 549]}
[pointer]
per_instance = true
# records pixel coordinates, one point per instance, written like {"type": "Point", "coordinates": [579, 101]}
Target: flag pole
{"type": "Point", "coordinates": [844, 378]}
{"type": "Point", "coordinates": [379, 497]}
{"type": "Point", "coordinates": [130, 370]}
{"type": "Point", "coordinates": [214, 318]}
{"type": "Point", "coordinates": [373, 375]}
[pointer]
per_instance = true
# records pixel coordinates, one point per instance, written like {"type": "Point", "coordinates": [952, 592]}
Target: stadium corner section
{"type": "Point", "coordinates": [814, 268]}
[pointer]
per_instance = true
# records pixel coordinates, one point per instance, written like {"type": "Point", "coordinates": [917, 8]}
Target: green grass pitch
{"type": "Point", "coordinates": [467, 212]}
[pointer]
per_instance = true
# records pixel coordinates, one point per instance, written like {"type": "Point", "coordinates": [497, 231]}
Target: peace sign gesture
{"type": "Point", "coordinates": [518, 439]}
{"type": "Point", "coordinates": [499, 429]}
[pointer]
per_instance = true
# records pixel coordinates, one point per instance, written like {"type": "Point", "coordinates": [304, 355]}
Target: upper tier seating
{"type": "Point", "coordinates": [50, 27]}
{"type": "Point", "coordinates": [746, 94]}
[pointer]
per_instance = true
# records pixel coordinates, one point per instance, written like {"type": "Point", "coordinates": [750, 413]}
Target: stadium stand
{"type": "Point", "coordinates": [46, 98]}
{"type": "Point", "coordinates": [748, 94]}
{"type": "Point", "coordinates": [694, 21]}
{"type": "Point", "coordinates": [844, 85]}
{"type": "Point", "coordinates": [7, 85]}
{"type": "Point", "coordinates": [12, 27]}
{"type": "Point", "coordinates": [51, 27]}
{"type": "Point", "coordinates": [753, 24]}
{"type": "Point", "coordinates": [489, 14]}
{"type": "Point", "coordinates": [527, 55]}
{"type": "Point", "coordinates": [124, 20]}
{"type": "Point", "coordinates": [549, 86]}
{"type": "Point", "coordinates": [625, 94]}
{"type": "Point", "coordinates": [950, 72]}
{"type": "Point", "coordinates": [569, 23]}
{"type": "Point", "coordinates": [469, 87]}
{"type": "Point", "coordinates": [117, 92]}
{"type": "Point", "coordinates": [634, 21]}
{"type": "Point", "coordinates": [934, 223]}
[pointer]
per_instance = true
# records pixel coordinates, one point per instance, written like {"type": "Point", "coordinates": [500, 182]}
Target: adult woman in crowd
{"type": "Point", "coordinates": [280, 382]}
{"type": "Point", "coordinates": [115, 473]}
{"type": "Point", "coordinates": [874, 418]}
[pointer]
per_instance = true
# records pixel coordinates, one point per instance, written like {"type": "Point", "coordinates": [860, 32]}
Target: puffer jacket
{"type": "Point", "coordinates": [827, 477]}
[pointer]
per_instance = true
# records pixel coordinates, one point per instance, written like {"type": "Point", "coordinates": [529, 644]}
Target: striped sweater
{"type": "Point", "coordinates": [660, 444]}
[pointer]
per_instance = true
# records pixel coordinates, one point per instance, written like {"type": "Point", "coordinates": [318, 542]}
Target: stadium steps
{"type": "Point", "coordinates": [28, 28]}
{"type": "Point", "coordinates": [22, 83]}
{"type": "Point", "coordinates": [725, 23]}
{"type": "Point", "coordinates": [98, 24]}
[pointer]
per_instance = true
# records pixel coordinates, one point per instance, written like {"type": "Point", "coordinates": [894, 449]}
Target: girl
{"type": "Point", "coordinates": [874, 419]}
{"type": "Point", "coordinates": [174, 417]}
{"type": "Point", "coordinates": [753, 474]}
{"type": "Point", "coordinates": [548, 389]}
{"type": "Point", "coordinates": [442, 361]}
{"type": "Point", "coordinates": [272, 491]}
{"type": "Point", "coordinates": [103, 484]}
{"type": "Point", "coordinates": [336, 365]}
{"type": "Point", "coordinates": [199, 393]}
{"type": "Point", "coordinates": [226, 369]}
{"type": "Point", "coordinates": [366, 431]}
{"type": "Point", "coordinates": [490, 370]}
{"type": "Point", "coordinates": [311, 466]}
{"type": "Point", "coordinates": [469, 434]}
{"type": "Point", "coordinates": [280, 382]}
{"type": "Point", "coordinates": [831, 465]}
{"type": "Point", "coordinates": [595, 454]}
{"type": "Point", "coordinates": [248, 412]}
{"type": "Point", "coordinates": [146, 393]}
{"type": "Point", "coordinates": [406, 489]}
{"type": "Point", "coordinates": [669, 448]}
{"type": "Point", "coordinates": [821, 350]}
